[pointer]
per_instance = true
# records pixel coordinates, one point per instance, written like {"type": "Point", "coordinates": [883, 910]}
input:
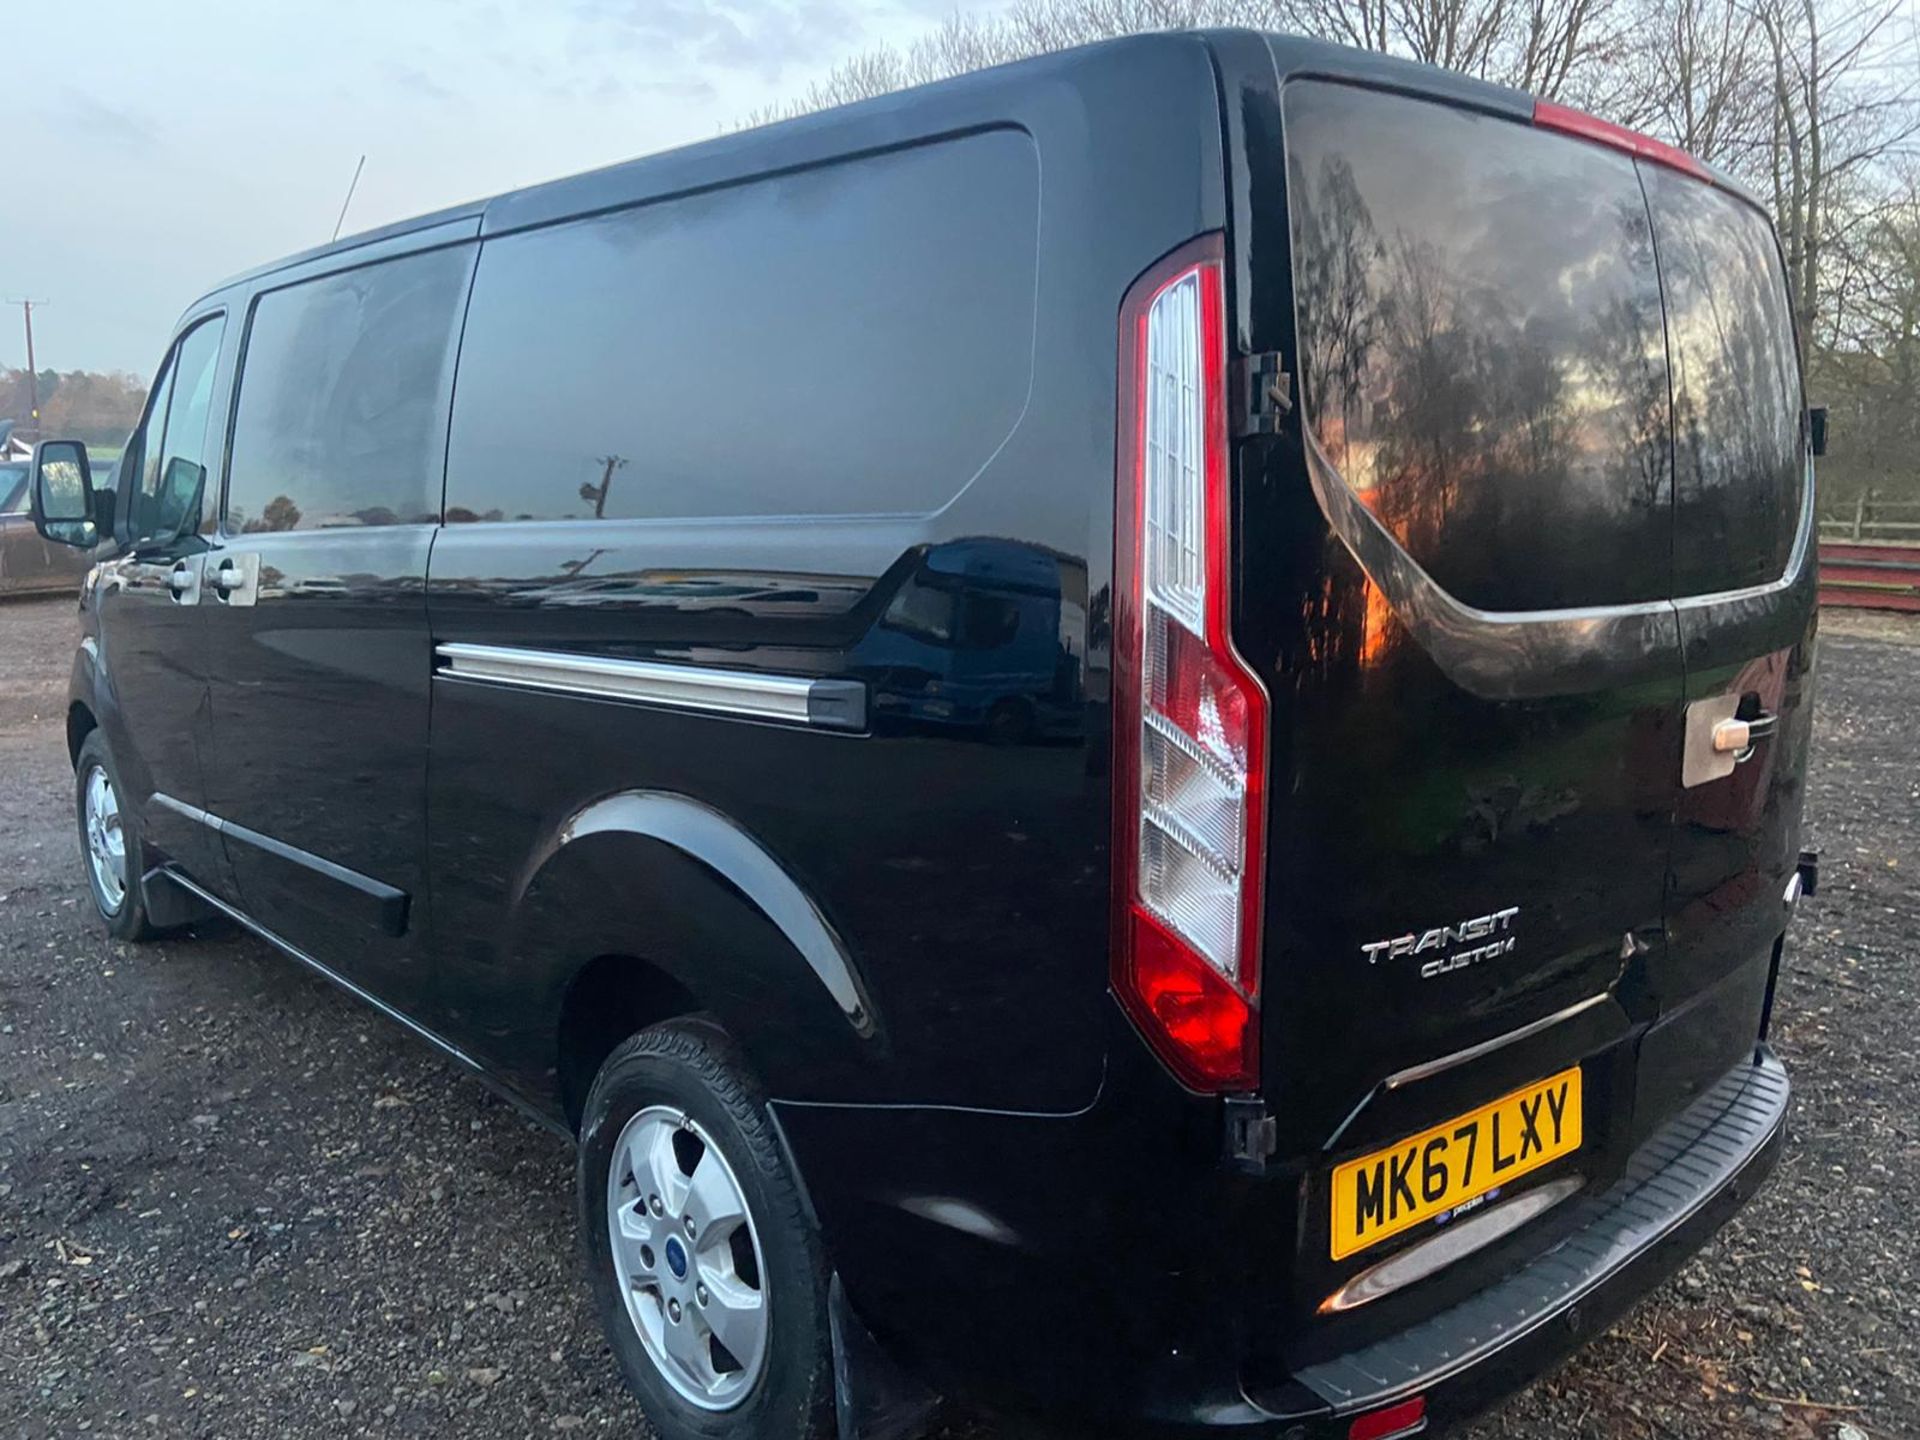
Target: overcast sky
{"type": "Point", "coordinates": [168, 145]}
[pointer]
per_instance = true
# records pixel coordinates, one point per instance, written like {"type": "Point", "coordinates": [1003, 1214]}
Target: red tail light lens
{"type": "Point", "coordinates": [1190, 720]}
{"type": "Point", "coordinates": [1409, 1417]}
{"type": "Point", "coordinates": [1549, 116]}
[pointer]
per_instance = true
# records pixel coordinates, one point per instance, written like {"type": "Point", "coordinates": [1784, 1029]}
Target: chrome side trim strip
{"type": "Point", "coordinates": [192, 812]}
{"type": "Point", "coordinates": [389, 905]}
{"type": "Point", "coordinates": [829, 704]}
{"type": "Point", "coordinates": [1428, 1069]}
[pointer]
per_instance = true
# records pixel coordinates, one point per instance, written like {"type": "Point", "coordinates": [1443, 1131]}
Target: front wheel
{"type": "Point", "coordinates": [706, 1271]}
{"type": "Point", "coordinates": [109, 842]}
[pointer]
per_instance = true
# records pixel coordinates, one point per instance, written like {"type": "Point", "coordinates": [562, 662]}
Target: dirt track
{"type": "Point", "coordinates": [234, 1203]}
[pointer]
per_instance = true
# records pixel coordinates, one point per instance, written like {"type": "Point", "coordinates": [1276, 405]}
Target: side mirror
{"type": "Point", "coordinates": [1817, 429]}
{"type": "Point", "coordinates": [62, 484]}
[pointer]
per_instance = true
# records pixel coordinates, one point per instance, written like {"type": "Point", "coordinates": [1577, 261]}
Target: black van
{"type": "Point", "coordinates": [1125, 736]}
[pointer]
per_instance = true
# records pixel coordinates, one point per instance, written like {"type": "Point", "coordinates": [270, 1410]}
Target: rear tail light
{"type": "Point", "coordinates": [1549, 116]}
{"type": "Point", "coordinates": [1190, 720]}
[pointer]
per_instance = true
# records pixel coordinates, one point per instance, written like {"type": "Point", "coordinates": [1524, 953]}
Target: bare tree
{"type": "Point", "coordinates": [1808, 101]}
{"type": "Point", "coordinates": [1698, 76]}
{"type": "Point", "coordinates": [1833, 116]}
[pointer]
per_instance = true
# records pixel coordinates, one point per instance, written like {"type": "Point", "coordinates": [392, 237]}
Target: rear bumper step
{"type": "Point", "coordinates": [1681, 1185]}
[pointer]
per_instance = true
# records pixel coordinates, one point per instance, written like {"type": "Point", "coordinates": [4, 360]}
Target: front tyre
{"type": "Point", "coordinates": [706, 1272]}
{"type": "Point", "coordinates": [109, 842]}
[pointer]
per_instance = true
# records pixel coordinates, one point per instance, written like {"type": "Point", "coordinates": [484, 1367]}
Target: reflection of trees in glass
{"type": "Point", "coordinates": [1496, 398]}
{"type": "Point", "coordinates": [1336, 245]}
{"type": "Point", "coordinates": [1735, 393]}
{"type": "Point", "coordinates": [280, 514]}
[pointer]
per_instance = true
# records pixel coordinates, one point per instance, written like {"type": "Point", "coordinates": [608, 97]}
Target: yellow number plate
{"type": "Point", "coordinates": [1443, 1168]}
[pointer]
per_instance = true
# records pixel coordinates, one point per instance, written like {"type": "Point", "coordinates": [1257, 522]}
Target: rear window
{"type": "Point", "coordinates": [1482, 346]}
{"type": "Point", "coordinates": [1739, 469]}
{"type": "Point", "coordinates": [852, 339]}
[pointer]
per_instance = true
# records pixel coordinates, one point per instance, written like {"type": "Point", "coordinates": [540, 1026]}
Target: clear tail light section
{"type": "Point", "coordinates": [1190, 721]}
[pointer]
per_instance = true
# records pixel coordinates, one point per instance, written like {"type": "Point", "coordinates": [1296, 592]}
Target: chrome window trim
{"type": "Point", "coordinates": [1428, 1069]}
{"type": "Point", "coordinates": [827, 704]}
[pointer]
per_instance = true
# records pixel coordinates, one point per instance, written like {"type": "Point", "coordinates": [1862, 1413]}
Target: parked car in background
{"type": "Point", "coordinates": [1169, 798]}
{"type": "Point", "coordinates": [28, 563]}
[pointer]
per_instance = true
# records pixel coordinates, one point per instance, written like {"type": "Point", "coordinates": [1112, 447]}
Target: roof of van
{"type": "Point", "coordinates": [886, 120]}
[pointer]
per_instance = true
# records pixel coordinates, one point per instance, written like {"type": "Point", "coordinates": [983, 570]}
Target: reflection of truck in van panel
{"type": "Point", "coordinates": [981, 635]}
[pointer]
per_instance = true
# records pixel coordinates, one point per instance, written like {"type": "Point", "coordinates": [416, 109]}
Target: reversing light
{"type": "Point", "coordinates": [1392, 1422]}
{"type": "Point", "coordinates": [1190, 719]}
{"type": "Point", "coordinates": [1549, 116]}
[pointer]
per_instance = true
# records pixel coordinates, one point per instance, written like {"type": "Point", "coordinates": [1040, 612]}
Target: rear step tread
{"type": "Point", "coordinates": [1682, 1165]}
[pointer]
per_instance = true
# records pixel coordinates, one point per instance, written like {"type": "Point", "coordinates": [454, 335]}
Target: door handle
{"type": "Point", "coordinates": [1737, 737]}
{"type": "Point", "coordinates": [237, 578]}
{"type": "Point", "coordinates": [1718, 738]}
{"type": "Point", "coordinates": [183, 582]}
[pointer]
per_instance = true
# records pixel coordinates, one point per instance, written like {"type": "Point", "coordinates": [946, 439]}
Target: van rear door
{"type": "Point", "coordinates": [1746, 582]}
{"type": "Point", "coordinates": [1473, 647]}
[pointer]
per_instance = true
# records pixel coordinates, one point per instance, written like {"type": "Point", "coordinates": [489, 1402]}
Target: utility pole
{"type": "Point", "coordinates": [33, 375]}
{"type": "Point", "coordinates": [598, 493]}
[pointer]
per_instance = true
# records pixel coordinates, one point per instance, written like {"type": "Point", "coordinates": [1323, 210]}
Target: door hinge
{"type": "Point", "coordinates": [1263, 394]}
{"type": "Point", "coordinates": [1252, 1134]}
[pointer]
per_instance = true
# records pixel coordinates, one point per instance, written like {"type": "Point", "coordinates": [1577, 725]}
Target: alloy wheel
{"type": "Point", "coordinates": [688, 1257]}
{"type": "Point", "coordinates": [105, 839]}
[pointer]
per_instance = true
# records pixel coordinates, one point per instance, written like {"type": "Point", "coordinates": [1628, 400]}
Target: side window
{"type": "Point", "coordinates": [853, 339]}
{"type": "Point", "coordinates": [166, 459]}
{"type": "Point", "coordinates": [342, 414]}
{"type": "Point", "coordinates": [142, 460]}
{"type": "Point", "coordinates": [171, 495]}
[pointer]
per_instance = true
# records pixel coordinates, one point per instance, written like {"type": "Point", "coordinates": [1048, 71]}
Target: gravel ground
{"type": "Point", "coordinates": [233, 1202]}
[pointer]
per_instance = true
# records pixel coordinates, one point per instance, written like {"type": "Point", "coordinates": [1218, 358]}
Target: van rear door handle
{"type": "Point", "coordinates": [1737, 737]}
{"type": "Point", "coordinates": [1718, 739]}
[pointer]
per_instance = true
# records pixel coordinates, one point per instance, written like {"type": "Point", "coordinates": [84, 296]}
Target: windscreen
{"type": "Point", "coordinates": [1482, 348]}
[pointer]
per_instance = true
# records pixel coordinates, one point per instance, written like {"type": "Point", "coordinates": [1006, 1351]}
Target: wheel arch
{"type": "Point", "coordinates": [81, 722]}
{"type": "Point", "coordinates": [647, 906]}
{"type": "Point", "coordinates": [609, 998]}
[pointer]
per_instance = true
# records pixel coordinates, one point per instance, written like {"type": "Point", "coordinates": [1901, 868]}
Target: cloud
{"type": "Point", "coordinates": [415, 83]}
{"type": "Point", "coordinates": [761, 37]}
{"type": "Point", "coordinates": [88, 118]}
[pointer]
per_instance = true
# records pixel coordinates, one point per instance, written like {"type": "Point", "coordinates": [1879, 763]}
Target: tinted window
{"type": "Point", "coordinates": [1482, 348]}
{"type": "Point", "coordinates": [852, 339]}
{"type": "Point", "coordinates": [13, 489]}
{"type": "Point", "coordinates": [1739, 471]}
{"type": "Point", "coordinates": [177, 500]}
{"type": "Point", "coordinates": [171, 496]}
{"type": "Point", "coordinates": [342, 415]}
{"type": "Point", "coordinates": [143, 454]}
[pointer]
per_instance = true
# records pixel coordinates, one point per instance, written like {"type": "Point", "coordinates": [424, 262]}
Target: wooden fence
{"type": "Point", "coordinates": [1883, 576]}
{"type": "Point", "coordinates": [1870, 518]}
